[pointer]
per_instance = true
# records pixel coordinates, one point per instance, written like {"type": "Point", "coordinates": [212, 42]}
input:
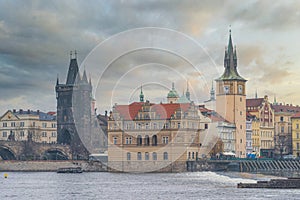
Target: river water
{"type": "Point", "coordinates": [193, 185]}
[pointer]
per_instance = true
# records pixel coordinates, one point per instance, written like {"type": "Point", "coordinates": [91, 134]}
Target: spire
{"type": "Point", "coordinates": [141, 95]}
{"type": "Point", "coordinates": [275, 102]}
{"type": "Point", "coordinates": [256, 94]}
{"type": "Point", "coordinates": [84, 77]}
{"type": "Point", "coordinates": [90, 80]}
{"type": "Point", "coordinates": [187, 93]}
{"type": "Point", "coordinates": [173, 86]}
{"type": "Point", "coordinates": [57, 80]}
{"type": "Point", "coordinates": [73, 70]}
{"type": "Point", "coordinates": [230, 63]}
{"type": "Point", "coordinates": [212, 92]}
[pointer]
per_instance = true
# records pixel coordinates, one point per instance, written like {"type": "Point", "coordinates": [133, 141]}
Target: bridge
{"type": "Point", "coordinates": [29, 150]}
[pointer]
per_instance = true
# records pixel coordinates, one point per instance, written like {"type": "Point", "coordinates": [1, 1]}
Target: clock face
{"type": "Point", "coordinates": [240, 89]}
{"type": "Point", "coordinates": [226, 89]}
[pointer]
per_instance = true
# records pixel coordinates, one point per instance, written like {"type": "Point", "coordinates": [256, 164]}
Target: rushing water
{"type": "Point", "coordinates": [195, 185]}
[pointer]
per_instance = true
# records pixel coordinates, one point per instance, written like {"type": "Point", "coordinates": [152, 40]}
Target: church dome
{"type": "Point", "coordinates": [173, 94]}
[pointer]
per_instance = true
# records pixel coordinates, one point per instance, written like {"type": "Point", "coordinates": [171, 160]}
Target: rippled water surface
{"type": "Point", "coordinates": [196, 185]}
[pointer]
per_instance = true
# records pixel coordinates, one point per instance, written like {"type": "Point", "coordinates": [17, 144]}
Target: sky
{"type": "Point", "coordinates": [187, 47]}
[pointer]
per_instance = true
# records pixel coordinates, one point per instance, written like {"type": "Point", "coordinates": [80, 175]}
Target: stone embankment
{"type": "Point", "coordinates": [46, 166]}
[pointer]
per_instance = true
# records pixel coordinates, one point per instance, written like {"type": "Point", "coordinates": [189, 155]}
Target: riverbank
{"type": "Point", "coordinates": [49, 166]}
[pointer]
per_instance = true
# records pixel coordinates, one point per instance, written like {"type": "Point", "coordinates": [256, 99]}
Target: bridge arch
{"type": "Point", "coordinates": [6, 153]}
{"type": "Point", "coordinates": [55, 154]}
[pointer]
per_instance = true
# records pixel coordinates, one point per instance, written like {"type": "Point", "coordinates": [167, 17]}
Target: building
{"type": "Point", "coordinates": [262, 125]}
{"type": "Point", "coordinates": [283, 127]}
{"type": "Point", "coordinates": [77, 124]}
{"type": "Point", "coordinates": [25, 125]}
{"type": "Point", "coordinates": [249, 133]}
{"type": "Point", "coordinates": [295, 135]}
{"type": "Point", "coordinates": [144, 136]}
{"type": "Point", "coordinates": [231, 98]}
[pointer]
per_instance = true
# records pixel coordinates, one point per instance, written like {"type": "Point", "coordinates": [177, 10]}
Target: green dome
{"type": "Point", "coordinates": [173, 93]}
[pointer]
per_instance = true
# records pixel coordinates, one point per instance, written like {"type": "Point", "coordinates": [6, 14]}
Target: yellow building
{"type": "Point", "coordinates": [231, 98]}
{"type": "Point", "coordinates": [144, 137]}
{"type": "Point", "coordinates": [23, 125]}
{"type": "Point", "coordinates": [296, 134]}
{"type": "Point", "coordinates": [263, 126]}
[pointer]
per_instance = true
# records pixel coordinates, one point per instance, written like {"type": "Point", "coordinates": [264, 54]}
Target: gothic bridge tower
{"type": "Point", "coordinates": [231, 98]}
{"type": "Point", "coordinates": [74, 100]}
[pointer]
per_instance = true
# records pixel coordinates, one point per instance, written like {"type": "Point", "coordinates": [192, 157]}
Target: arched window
{"type": "Point", "coordinates": [139, 156]}
{"type": "Point", "coordinates": [139, 140]}
{"type": "Point", "coordinates": [166, 156]}
{"type": "Point", "coordinates": [193, 155]}
{"type": "Point", "coordinates": [189, 155]}
{"type": "Point", "coordinates": [128, 156]}
{"type": "Point", "coordinates": [147, 140]}
{"type": "Point", "coordinates": [154, 156]}
{"type": "Point", "coordinates": [146, 156]}
{"type": "Point", "coordinates": [154, 140]}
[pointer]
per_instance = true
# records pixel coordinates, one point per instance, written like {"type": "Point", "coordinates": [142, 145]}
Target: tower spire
{"type": "Point", "coordinates": [212, 91]}
{"type": "Point", "coordinates": [84, 77]}
{"type": "Point", "coordinates": [73, 74]}
{"type": "Point", "coordinates": [57, 80]}
{"type": "Point", "coordinates": [256, 94]}
{"type": "Point", "coordinates": [141, 94]}
{"type": "Point", "coordinates": [187, 93]}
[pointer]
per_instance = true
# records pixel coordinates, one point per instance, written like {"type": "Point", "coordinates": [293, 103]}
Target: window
{"type": "Point", "coordinates": [4, 124]}
{"type": "Point", "coordinates": [147, 140]}
{"type": "Point", "coordinates": [139, 140]}
{"type": "Point", "coordinates": [206, 126]}
{"type": "Point", "coordinates": [178, 125]}
{"type": "Point", "coordinates": [282, 129]}
{"type": "Point", "coordinates": [298, 146]}
{"type": "Point", "coordinates": [44, 125]}
{"type": "Point", "coordinates": [53, 125]}
{"type": "Point", "coordinates": [281, 119]}
{"type": "Point", "coordinates": [128, 156]}
{"type": "Point", "coordinates": [240, 89]}
{"type": "Point", "coordinates": [44, 134]}
{"type": "Point", "coordinates": [297, 135]}
{"type": "Point", "coordinates": [21, 124]}
{"type": "Point", "coordinates": [13, 124]}
{"type": "Point", "coordinates": [154, 126]}
{"type": "Point", "coordinates": [297, 126]}
{"type": "Point", "coordinates": [33, 124]}
{"type": "Point", "coordinates": [154, 140]}
{"type": "Point", "coordinates": [241, 126]}
{"type": "Point", "coordinates": [146, 156]}
{"type": "Point", "coordinates": [165, 140]}
{"type": "Point", "coordinates": [128, 140]}
{"type": "Point", "coordinates": [226, 89]}
{"type": "Point", "coordinates": [241, 113]}
{"type": "Point", "coordinates": [165, 155]}
{"type": "Point", "coordinates": [4, 134]}
{"type": "Point", "coordinates": [189, 155]}
{"type": "Point", "coordinates": [22, 134]}
{"type": "Point", "coordinates": [53, 134]}
{"type": "Point", "coordinates": [154, 156]}
{"type": "Point", "coordinates": [139, 156]}
{"type": "Point", "coordinates": [115, 140]}
{"type": "Point", "coordinates": [193, 155]}
{"type": "Point", "coordinates": [147, 126]}
{"type": "Point", "coordinates": [241, 141]}
{"type": "Point", "coordinates": [241, 99]}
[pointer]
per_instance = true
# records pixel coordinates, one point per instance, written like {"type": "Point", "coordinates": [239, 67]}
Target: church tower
{"type": "Point", "coordinates": [231, 98]}
{"type": "Point", "coordinates": [74, 99]}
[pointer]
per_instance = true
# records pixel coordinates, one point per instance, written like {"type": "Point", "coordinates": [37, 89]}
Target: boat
{"type": "Point", "coordinates": [70, 170]}
{"type": "Point", "coordinates": [289, 183]}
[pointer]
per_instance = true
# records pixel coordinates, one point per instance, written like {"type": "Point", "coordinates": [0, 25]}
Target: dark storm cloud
{"type": "Point", "coordinates": [36, 36]}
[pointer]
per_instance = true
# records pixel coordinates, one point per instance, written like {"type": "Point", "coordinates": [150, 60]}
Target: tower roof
{"type": "Point", "coordinates": [73, 71]}
{"type": "Point", "coordinates": [173, 93]}
{"type": "Point", "coordinates": [230, 64]}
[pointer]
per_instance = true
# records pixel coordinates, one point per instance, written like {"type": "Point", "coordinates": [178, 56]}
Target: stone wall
{"type": "Point", "coordinates": [40, 166]}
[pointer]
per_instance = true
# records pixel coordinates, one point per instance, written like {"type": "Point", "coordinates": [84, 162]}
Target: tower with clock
{"type": "Point", "coordinates": [231, 98]}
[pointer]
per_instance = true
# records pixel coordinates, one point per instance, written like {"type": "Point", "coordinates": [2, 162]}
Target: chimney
{"type": "Point", "coordinates": [21, 111]}
{"type": "Point", "coordinates": [14, 110]}
{"type": "Point", "coordinates": [105, 114]}
{"type": "Point", "coordinates": [38, 112]}
{"type": "Point", "coordinates": [28, 111]}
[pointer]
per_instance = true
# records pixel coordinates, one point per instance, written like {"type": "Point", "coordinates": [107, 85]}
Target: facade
{"type": "Point", "coordinates": [262, 125]}
{"type": "Point", "coordinates": [75, 104]}
{"type": "Point", "coordinates": [144, 137]}
{"type": "Point", "coordinates": [296, 134]}
{"type": "Point", "coordinates": [283, 127]}
{"type": "Point", "coordinates": [231, 98]}
{"type": "Point", "coordinates": [28, 125]}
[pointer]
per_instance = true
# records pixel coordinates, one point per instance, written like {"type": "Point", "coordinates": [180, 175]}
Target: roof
{"type": "Point", "coordinates": [286, 108]}
{"type": "Point", "coordinates": [42, 115]}
{"type": "Point", "coordinates": [254, 102]}
{"type": "Point", "coordinates": [165, 111]}
{"type": "Point", "coordinates": [297, 115]}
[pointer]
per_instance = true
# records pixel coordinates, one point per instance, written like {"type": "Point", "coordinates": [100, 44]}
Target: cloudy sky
{"type": "Point", "coordinates": [37, 36]}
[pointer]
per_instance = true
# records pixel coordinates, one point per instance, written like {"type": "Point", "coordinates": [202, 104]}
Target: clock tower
{"type": "Point", "coordinates": [231, 98]}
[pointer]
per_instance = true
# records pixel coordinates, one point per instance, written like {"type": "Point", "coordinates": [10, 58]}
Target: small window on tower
{"type": "Point", "coordinates": [240, 89]}
{"type": "Point", "coordinates": [226, 89]}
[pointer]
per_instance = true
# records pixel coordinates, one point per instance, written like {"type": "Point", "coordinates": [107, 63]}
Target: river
{"type": "Point", "coordinates": [193, 185]}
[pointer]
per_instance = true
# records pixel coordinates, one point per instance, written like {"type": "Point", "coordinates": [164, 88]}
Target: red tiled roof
{"type": "Point", "coordinates": [254, 102]}
{"type": "Point", "coordinates": [286, 108]}
{"type": "Point", "coordinates": [297, 115]}
{"type": "Point", "coordinates": [51, 113]}
{"type": "Point", "coordinates": [129, 112]}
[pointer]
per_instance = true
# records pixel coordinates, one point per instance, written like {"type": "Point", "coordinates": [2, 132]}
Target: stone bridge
{"type": "Point", "coordinates": [28, 150]}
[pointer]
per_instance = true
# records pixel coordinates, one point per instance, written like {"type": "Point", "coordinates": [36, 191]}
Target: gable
{"type": "Point", "coordinates": [9, 116]}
